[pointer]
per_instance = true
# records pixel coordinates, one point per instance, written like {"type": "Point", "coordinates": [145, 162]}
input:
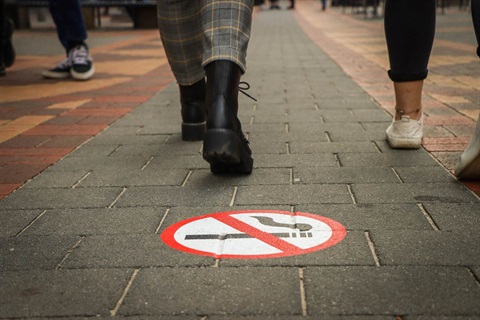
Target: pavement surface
{"type": "Point", "coordinates": [93, 173]}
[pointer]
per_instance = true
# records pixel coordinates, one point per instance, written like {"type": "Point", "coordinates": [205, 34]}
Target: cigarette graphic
{"type": "Point", "coordinates": [244, 236]}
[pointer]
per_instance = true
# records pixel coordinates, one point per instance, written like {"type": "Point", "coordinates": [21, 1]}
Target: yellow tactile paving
{"type": "Point", "coordinates": [446, 60]}
{"type": "Point", "coordinates": [449, 99]}
{"type": "Point", "coordinates": [458, 82]}
{"type": "Point", "coordinates": [456, 46]}
{"type": "Point", "coordinates": [15, 127]}
{"type": "Point", "coordinates": [158, 52]}
{"type": "Point", "coordinates": [473, 82]}
{"type": "Point", "coordinates": [69, 105]}
{"type": "Point", "coordinates": [43, 90]}
{"type": "Point", "coordinates": [131, 67]}
{"type": "Point", "coordinates": [473, 114]}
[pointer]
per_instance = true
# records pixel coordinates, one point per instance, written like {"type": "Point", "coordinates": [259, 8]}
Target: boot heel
{"type": "Point", "coordinates": [226, 152]}
{"type": "Point", "coordinates": [193, 131]}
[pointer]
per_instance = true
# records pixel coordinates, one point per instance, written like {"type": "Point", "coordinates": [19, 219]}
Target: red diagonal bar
{"type": "Point", "coordinates": [263, 236]}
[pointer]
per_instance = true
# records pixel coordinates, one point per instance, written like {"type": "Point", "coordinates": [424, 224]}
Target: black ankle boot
{"type": "Point", "coordinates": [225, 146]}
{"type": "Point", "coordinates": [192, 99]}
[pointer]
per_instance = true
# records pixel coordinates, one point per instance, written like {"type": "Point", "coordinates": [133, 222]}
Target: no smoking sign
{"type": "Point", "coordinates": [254, 234]}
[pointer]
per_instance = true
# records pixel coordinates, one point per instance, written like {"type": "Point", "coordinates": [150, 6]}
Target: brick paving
{"type": "Point", "coordinates": [99, 172]}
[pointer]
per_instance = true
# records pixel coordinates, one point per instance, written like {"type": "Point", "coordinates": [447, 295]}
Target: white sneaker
{"type": "Point", "coordinates": [468, 166]}
{"type": "Point", "coordinates": [405, 133]}
{"type": "Point", "coordinates": [82, 63]}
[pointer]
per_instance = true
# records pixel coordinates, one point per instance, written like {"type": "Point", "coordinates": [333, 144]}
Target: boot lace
{"type": "Point", "coordinates": [245, 87]}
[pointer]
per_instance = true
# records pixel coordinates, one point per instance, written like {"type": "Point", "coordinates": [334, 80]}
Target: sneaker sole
{"type": "Point", "coordinates": [55, 75]}
{"type": "Point", "coordinates": [397, 143]}
{"type": "Point", "coordinates": [83, 75]}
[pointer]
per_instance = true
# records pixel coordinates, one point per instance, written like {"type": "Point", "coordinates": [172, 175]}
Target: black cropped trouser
{"type": "Point", "coordinates": [409, 30]}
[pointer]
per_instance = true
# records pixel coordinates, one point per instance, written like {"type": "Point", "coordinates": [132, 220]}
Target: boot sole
{"type": "Point", "coordinates": [193, 131]}
{"type": "Point", "coordinates": [226, 153]}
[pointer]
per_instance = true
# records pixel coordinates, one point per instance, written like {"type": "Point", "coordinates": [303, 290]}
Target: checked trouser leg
{"type": "Point", "coordinates": [197, 32]}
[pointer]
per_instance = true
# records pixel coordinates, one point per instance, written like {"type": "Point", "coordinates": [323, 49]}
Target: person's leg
{"type": "Point", "coordinates": [227, 33]}
{"type": "Point", "coordinates": [475, 9]}
{"type": "Point", "coordinates": [68, 18]}
{"type": "Point", "coordinates": [468, 166]}
{"type": "Point", "coordinates": [181, 32]}
{"type": "Point", "coordinates": [409, 30]}
{"type": "Point", "coordinates": [7, 52]}
{"type": "Point", "coordinates": [72, 33]}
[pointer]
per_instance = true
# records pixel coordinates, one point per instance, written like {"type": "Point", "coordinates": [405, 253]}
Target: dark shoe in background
{"type": "Point", "coordinates": [7, 52]}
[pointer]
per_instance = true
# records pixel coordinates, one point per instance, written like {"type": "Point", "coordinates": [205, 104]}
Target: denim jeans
{"type": "Point", "coordinates": [69, 21]}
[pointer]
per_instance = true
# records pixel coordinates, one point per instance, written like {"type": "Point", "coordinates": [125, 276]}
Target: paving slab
{"type": "Point", "coordinates": [81, 234]}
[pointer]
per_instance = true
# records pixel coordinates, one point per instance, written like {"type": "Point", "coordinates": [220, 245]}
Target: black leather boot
{"type": "Point", "coordinates": [225, 146]}
{"type": "Point", "coordinates": [192, 99]}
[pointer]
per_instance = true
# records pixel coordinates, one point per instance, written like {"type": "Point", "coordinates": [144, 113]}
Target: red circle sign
{"type": "Point", "coordinates": [254, 234]}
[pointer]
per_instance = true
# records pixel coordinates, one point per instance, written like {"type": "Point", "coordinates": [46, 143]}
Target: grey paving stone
{"type": "Point", "coordinates": [412, 193]}
{"type": "Point", "coordinates": [315, 130]}
{"type": "Point", "coordinates": [61, 293]}
{"type": "Point", "coordinates": [357, 115]}
{"type": "Point", "coordinates": [84, 164]}
{"type": "Point", "coordinates": [130, 250]}
{"type": "Point", "coordinates": [262, 176]}
{"type": "Point", "coordinates": [357, 135]}
{"type": "Point", "coordinates": [409, 158]}
{"type": "Point", "coordinates": [345, 175]}
{"type": "Point", "coordinates": [14, 221]}
{"type": "Point", "coordinates": [391, 290]}
{"type": "Point", "coordinates": [371, 216]}
{"type": "Point", "coordinates": [424, 174]}
{"type": "Point", "coordinates": [145, 151]}
{"type": "Point", "coordinates": [439, 317]}
{"type": "Point", "coordinates": [324, 317]}
{"type": "Point", "coordinates": [56, 179]}
{"type": "Point", "coordinates": [293, 194]}
{"type": "Point", "coordinates": [427, 247]}
{"type": "Point", "coordinates": [61, 198]}
{"type": "Point", "coordinates": [30, 253]}
{"type": "Point", "coordinates": [455, 216]}
{"type": "Point", "coordinates": [97, 221]}
{"type": "Point", "coordinates": [89, 150]}
{"type": "Point", "coordinates": [352, 250]}
{"type": "Point", "coordinates": [161, 196]}
{"type": "Point", "coordinates": [141, 317]}
{"type": "Point", "coordinates": [294, 160]}
{"type": "Point", "coordinates": [178, 162]}
{"type": "Point", "coordinates": [268, 147]}
{"type": "Point", "coordinates": [180, 213]}
{"type": "Point", "coordinates": [239, 291]}
{"type": "Point", "coordinates": [332, 147]}
{"type": "Point", "coordinates": [113, 138]}
{"type": "Point", "coordinates": [147, 177]}
{"type": "Point", "coordinates": [178, 148]}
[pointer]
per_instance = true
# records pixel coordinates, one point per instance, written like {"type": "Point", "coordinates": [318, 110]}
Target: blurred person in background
{"type": "Point", "coordinates": [72, 33]}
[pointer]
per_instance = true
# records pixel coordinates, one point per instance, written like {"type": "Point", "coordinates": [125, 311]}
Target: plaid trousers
{"type": "Point", "coordinates": [197, 32]}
